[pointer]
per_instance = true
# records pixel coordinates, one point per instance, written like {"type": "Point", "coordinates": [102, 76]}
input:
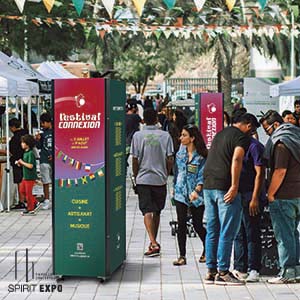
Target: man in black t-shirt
{"type": "Point", "coordinates": [283, 152]}
{"type": "Point", "coordinates": [222, 200]}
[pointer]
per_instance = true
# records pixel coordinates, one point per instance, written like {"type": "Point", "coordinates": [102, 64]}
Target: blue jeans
{"type": "Point", "coordinates": [223, 223]}
{"type": "Point", "coordinates": [285, 215]}
{"type": "Point", "coordinates": [247, 244]}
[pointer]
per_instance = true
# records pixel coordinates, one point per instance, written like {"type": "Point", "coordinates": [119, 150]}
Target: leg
{"type": "Point", "coordinates": [22, 191]}
{"type": "Point", "coordinates": [150, 227]}
{"type": "Point", "coordinates": [181, 211]}
{"type": "Point", "coordinates": [156, 221]}
{"type": "Point", "coordinates": [197, 216]}
{"type": "Point", "coordinates": [212, 228]}
{"type": "Point", "coordinates": [230, 220]}
{"type": "Point", "coordinates": [46, 191]}
{"type": "Point", "coordinates": [31, 201]}
{"type": "Point", "coordinates": [240, 250]}
{"type": "Point", "coordinates": [283, 215]}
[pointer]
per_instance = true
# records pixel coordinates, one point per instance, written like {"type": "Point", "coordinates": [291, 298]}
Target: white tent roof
{"type": "Point", "coordinates": [7, 87]}
{"type": "Point", "coordinates": [54, 71]}
{"type": "Point", "coordinates": [289, 88]}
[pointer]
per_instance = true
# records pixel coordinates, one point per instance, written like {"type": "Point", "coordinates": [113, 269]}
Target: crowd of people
{"type": "Point", "coordinates": [230, 183]}
{"type": "Point", "coordinates": [23, 160]}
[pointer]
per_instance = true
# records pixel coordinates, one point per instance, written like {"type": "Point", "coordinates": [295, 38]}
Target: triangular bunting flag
{"type": "Point", "coordinates": [20, 4]}
{"type": "Point", "coordinates": [78, 5]}
{"type": "Point", "coordinates": [170, 3]}
{"type": "Point", "coordinates": [139, 5]}
{"type": "Point", "coordinates": [167, 33]}
{"type": "Point", "coordinates": [262, 3]}
{"type": "Point", "coordinates": [230, 4]}
{"type": "Point", "coordinates": [49, 4]}
{"type": "Point", "coordinates": [199, 4]}
{"type": "Point", "coordinates": [157, 34]}
{"type": "Point", "coordinates": [102, 34]}
{"type": "Point", "coordinates": [109, 6]}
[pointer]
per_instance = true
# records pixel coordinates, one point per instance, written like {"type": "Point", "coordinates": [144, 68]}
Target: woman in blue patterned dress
{"type": "Point", "coordinates": [188, 183]}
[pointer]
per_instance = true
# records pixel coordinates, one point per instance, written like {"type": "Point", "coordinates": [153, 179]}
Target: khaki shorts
{"type": "Point", "coordinates": [46, 173]}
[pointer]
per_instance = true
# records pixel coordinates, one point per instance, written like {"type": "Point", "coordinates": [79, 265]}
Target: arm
{"type": "Point", "coordinates": [276, 181]}
{"type": "Point", "coordinates": [236, 167]}
{"type": "Point", "coordinates": [135, 166]}
{"type": "Point", "coordinates": [199, 181]}
{"type": "Point", "coordinates": [258, 182]}
{"type": "Point", "coordinates": [25, 164]}
{"type": "Point", "coordinates": [170, 162]}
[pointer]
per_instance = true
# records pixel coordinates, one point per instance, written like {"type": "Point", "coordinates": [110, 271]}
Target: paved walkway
{"type": "Point", "coordinates": [139, 277]}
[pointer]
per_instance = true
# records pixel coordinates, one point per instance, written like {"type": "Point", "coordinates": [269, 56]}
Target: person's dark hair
{"type": "Point", "coordinates": [180, 119]}
{"type": "Point", "coordinates": [247, 118]}
{"type": "Point", "coordinates": [285, 113]}
{"type": "Point", "coordinates": [150, 116]}
{"type": "Point", "coordinates": [14, 122]}
{"type": "Point", "coordinates": [198, 141]}
{"type": "Point", "coordinates": [45, 117]}
{"type": "Point", "coordinates": [227, 118]}
{"type": "Point", "coordinates": [297, 102]}
{"type": "Point", "coordinates": [297, 119]}
{"type": "Point", "coordinates": [270, 117]}
{"type": "Point", "coordinates": [237, 113]}
{"type": "Point", "coordinates": [28, 140]}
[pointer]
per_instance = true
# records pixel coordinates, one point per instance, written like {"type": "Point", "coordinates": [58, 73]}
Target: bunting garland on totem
{"type": "Point", "coordinates": [199, 4]}
{"type": "Point", "coordinates": [139, 5]}
{"type": "Point", "coordinates": [69, 182]}
{"type": "Point", "coordinates": [48, 4]}
{"type": "Point", "coordinates": [74, 163]}
{"type": "Point", "coordinates": [109, 6]}
{"type": "Point", "coordinates": [262, 3]}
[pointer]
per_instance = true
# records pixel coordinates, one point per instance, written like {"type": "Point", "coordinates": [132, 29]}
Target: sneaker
{"type": "Point", "coordinates": [37, 207]}
{"type": "Point", "coordinates": [227, 279]}
{"type": "Point", "coordinates": [239, 275]}
{"type": "Point", "coordinates": [153, 250]}
{"type": "Point", "coordinates": [20, 205]}
{"type": "Point", "coordinates": [28, 213]}
{"type": "Point", "coordinates": [253, 276]}
{"type": "Point", "coordinates": [45, 204]}
{"type": "Point", "coordinates": [281, 280]}
{"type": "Point", "coordinates": [210, 278]}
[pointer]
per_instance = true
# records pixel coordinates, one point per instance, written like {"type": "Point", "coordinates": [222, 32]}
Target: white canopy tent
{"type": "Point", "coordinates": [54, 71]}
{"type": "Point", "coordinates": [286, 91]}
{"type": "Point", "coordinates": [288, 88]}
{"type": "Point", "coordinates": [13, 83]}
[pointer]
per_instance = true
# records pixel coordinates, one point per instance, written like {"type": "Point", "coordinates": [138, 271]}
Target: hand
{"type": "Point", "coordinates": [271, 198]}
{"type": "Point", "coordinates": [50, 157]}
{"type": "Point", "coordinates": [254, 207]}
{"type": "Point", "coordinates": [231, 194]}
{"type": "Point", "coordinates": [19, 162]}
{"type": "Point", "coordinates": [193, 196]}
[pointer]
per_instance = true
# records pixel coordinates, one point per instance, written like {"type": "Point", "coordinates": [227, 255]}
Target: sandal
{"type": "Point", "coordinates": [180, 261]}
{"type": "Point", "coordinates": [202, 258]}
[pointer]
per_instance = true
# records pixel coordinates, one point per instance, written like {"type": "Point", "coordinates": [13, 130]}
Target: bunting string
{"type": "Point", "coordinates": [74, 163]}
{"type": "Point", "coordinates": [83, 180]}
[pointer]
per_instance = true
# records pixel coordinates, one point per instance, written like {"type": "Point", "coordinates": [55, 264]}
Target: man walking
{"type": "Point", "coordinates": [283, 152]}
{"type": "Point", "coordinates": [222, 200]}
{"type": "Point", "coordinates": [152, 160]}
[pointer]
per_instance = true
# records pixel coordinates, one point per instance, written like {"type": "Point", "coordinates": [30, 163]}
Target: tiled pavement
{"type": "Point", "coordinates": [139, 277]}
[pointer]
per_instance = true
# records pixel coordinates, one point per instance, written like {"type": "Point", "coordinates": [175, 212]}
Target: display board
{"type": "Point", "coordinates": [89, 175]}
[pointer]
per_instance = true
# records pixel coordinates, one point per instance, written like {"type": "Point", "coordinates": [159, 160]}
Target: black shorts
{"type": "Point", "coordinates": [152, 198]}
{"type": "Point", "coordinates": [17, 174]}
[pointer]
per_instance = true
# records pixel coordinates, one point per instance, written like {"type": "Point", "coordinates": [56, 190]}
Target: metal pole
{"type": "Point", "coordinates": [29, 116]}
{"type": "Point", "coordinates": [25, 40]}
{"type": "Point", "coordinates": [26, 259]}
{"type": "Point", "coordinates": [292, 45]}
{"type": "Point", "coordinates": [16, 265]}
{"type": "Point", "coordinates": [7, 156]}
